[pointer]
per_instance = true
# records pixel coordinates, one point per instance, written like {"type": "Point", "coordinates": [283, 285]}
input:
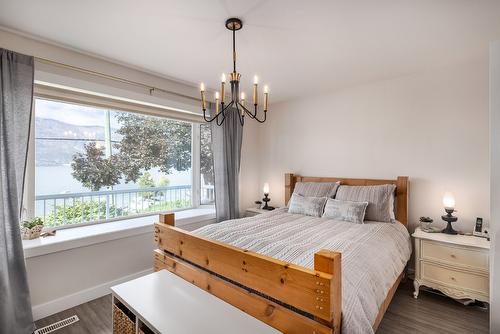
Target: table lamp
{"type": "Point", "coordinates": [266, 197]}
{"type": "Point", "coordinates": [449, 207]}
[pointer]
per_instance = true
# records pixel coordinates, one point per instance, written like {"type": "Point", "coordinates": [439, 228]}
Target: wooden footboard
{"type": "Point", "coordinates": [290, 298]}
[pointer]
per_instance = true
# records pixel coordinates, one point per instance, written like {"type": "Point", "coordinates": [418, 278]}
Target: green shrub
{"type": "Point", "coordinates": [74, 212]}
{"type": "Point", "coordinates": [33, 222]}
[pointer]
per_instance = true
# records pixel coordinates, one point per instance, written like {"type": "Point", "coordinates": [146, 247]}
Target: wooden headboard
{"type": "Point", "coordinates": [402, 189]}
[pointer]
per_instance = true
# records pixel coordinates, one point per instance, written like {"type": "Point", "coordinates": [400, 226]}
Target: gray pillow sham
{"type": "Point", "coordinates": [380, 200]}
{"type": "Point", "coordinates": [310, 206]}
{"type": "Point", "coordinates": [348, 211]}
{"type": "Point", "coordinates": [316, 189]}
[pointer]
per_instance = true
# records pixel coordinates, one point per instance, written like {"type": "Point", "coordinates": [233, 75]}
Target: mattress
{"type": "Point", "coordinates": [373, 254]}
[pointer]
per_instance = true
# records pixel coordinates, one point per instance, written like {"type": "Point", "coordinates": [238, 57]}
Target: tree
{"type": "Point", "coordinates": [147, 142]}
{"type": "Point", "coordinates": [206, 155]}
{"type": "Point", "coordinates": [93, 170]}
{"type": "Point", "coordinates": [164, 181]}
{"type": "Point", "coordinates": [150, 142]}
{"type": "Point", "coordinates": [146, 181]}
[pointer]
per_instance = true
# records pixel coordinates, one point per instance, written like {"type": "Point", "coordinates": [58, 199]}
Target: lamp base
{"type": "Point", "coordinates": [449, 229]}
{"type": "Point", "coordinates": [266, 199]}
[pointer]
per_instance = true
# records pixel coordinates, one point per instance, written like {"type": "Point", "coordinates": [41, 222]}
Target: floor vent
{"type": "Point", "coordinates": [57, 325]}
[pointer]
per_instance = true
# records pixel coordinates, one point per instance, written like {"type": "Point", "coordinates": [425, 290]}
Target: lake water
{"type": "Point", "coordinates": [50, 180]}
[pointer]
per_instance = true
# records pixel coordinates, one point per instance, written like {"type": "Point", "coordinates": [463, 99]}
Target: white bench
{"type": "Point", "coordinates": [164, 303]}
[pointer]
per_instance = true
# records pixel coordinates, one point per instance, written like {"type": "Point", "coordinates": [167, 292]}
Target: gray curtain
{"type": "Point", "coordinates": [16, 95]}
{"type": "Point", "coordinates": [226, 147]}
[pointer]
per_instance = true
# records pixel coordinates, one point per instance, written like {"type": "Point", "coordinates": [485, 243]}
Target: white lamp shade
{"type": "Point", "coordinates": [266, 188]}
{"type": "Point", "coordinates": [449, 200]}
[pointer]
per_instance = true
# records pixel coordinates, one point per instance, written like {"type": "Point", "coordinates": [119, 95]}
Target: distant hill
{"type": "Point", "coordinates": [54, 151]}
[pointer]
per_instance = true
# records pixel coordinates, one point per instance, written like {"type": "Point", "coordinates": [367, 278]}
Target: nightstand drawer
{"type": "Point", "coordinates": [455, 255]}
{"type": "Point", "coordinates": [454, 277]}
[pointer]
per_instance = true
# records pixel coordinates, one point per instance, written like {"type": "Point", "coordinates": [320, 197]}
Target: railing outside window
{"type": "Point", "coordinates": [97, 206]}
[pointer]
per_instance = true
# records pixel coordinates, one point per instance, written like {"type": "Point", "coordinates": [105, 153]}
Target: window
{"type": "Point", "coordinates": [94, 164]}
{"type": "Point", "coordinates": [206, 165]}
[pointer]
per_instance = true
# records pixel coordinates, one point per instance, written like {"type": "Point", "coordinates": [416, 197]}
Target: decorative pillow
{"type": "Point", "coordinates": [316, 189]}
{"type": "Point", "coordinates": [348, 211]}
{"type": "Point", "coordinates": [310, 206]}
{"type": "Point", "coordinates": [380, 200]}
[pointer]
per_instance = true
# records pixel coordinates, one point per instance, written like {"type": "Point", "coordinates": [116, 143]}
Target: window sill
{"type": "Point", "coordinates": [82, 236]}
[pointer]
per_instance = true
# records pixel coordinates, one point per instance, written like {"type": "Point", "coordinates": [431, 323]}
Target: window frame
{"type": "Point", "coordinates": [58, 94]}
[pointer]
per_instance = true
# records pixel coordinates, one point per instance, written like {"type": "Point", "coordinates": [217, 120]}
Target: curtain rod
{"type": "Point", "coordinates": [112, 77]}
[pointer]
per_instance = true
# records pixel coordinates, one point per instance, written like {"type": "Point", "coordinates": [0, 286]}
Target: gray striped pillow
{"type": "Point", "coordinates": [316, 189]}
{"type": "Point", "coordinates": [380, 200]}
{"type": "Point", "coordinates": [348, 211]}
{"type": "Point", "coordinates": [310, 206]}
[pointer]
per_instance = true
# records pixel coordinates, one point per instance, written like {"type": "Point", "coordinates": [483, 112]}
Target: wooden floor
{"type": "Point", "coordinates": [428, 314]}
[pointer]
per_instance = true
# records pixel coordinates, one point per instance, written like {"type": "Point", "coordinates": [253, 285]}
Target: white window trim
{"type": "Point", "coordinates": [68, 96]}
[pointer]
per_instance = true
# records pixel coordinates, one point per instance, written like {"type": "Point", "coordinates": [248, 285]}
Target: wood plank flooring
{"type": "Point", "coordinates": [428, 314]}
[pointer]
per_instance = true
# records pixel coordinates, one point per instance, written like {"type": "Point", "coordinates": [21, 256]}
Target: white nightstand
{"type": "Point", "coordinates": [250, 212]}
{"type": "Point", "coordinates": [456, 265]}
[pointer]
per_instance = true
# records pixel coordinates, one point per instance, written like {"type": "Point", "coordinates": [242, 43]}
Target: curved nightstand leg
{"type": "Point", "coordinates": [416, 285]}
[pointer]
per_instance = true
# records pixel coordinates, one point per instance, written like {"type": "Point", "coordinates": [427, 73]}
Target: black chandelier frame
{"type": "Point", "coordinates": [234, 24]}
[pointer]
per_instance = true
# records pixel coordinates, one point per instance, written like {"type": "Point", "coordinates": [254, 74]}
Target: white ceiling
{"type": "Point", "coordinates": [297, 47]}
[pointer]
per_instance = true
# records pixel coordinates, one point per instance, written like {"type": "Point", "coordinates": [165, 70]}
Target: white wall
{"type": "Point", "coordinates": [64, 279]}
{"type": "Point", "coordinates": [432, 127]}
{"type": "Point", "coordinates": [495, 186]}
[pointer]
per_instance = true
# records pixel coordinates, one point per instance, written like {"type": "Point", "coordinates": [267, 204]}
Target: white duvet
{"type": "Point", "coordinates": [373, 254]}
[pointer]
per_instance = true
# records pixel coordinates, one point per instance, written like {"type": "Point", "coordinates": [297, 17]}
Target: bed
{"type": "Point", "coordinates": [299, 274]}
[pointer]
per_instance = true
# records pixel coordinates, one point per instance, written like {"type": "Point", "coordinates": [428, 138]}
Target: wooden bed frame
{"type": "Point", "coordinates": [290, 298]}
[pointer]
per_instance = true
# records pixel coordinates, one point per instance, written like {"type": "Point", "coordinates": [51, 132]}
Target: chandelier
{"type": "Point", "coordinates": [238, 101]}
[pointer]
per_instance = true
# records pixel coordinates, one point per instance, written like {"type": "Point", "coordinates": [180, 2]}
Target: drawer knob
{"type": "Point", "coordinates": [453, 278]}
{"type": "Point", "coordinates": [453, 256]}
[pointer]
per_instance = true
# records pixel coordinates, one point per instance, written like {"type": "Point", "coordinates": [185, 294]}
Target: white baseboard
{"type": "Point", "coordinates": [63, 303]}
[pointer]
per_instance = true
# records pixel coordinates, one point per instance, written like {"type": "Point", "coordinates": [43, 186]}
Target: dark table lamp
{"type": "Point", "coordinates": [449, 207]}
{"type": "Point", "coordinates": [266, 197]}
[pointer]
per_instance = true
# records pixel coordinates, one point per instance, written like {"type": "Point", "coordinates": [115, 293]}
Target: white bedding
{"type": "Point", "coordinates": [373, 254]}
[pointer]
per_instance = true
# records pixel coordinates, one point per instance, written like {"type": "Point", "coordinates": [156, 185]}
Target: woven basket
{"type": "Point", "coordinates": [31, 233]}
{"type": "Point", "coordinates": [122, 324]}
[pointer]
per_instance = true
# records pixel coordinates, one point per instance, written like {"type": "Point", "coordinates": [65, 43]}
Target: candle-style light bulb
{"type": "Point", "coordinates": [242, 98]}
{"type": "Point", "coordinates": [203, 102]}
{"type": "Point", "coordinates": [266, 97]}
{"type": "Point", "coordinates": [216, 102]}
{"type": "Point", "coordinates": [222, 88]}
{"type": "Point", "coordinates": [255, 97]}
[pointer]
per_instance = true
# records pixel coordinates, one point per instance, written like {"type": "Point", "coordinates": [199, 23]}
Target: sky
{"type": "Point", "coordinates": [71, 113]}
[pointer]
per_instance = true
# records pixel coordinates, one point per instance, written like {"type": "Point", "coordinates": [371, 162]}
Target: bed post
{"type": "Point", "coordinates": [329, 262]}
{"type": "Point", "coordinates": [167, 219]}
{"type": "Point", "coordinates": [402, 191]}
{"type": "Point", "coordinates": [289, 186]}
